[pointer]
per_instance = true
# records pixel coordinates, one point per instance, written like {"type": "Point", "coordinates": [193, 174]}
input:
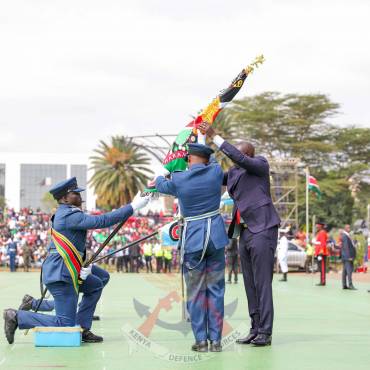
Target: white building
{"type": "Point", "coordinates": [25, 178]}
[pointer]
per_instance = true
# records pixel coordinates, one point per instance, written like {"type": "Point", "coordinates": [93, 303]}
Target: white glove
{"type": "Point", "coordinates": [139, 202]}
{"type": "Point", "coordinates": [85, 272]}
{"type": "Point", "coordinates": [218, 140]}
{"type": "Point", "coordinates": [161, 172]}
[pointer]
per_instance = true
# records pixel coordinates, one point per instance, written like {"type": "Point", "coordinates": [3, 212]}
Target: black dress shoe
{"type": "Point", "coordinates": [215, 346]}
{"type": "Point", "coordinates": [320, 284]}
{"type": "Point", "coordinates": [10, 324]}
{"type": "Point", "coordinates": [201, 346]}
{"type": "Point", "coordinates": [89, 337]}
{"type": "Point", "coordinates": [247, 339]}
{"type": "Point", "coordinates": [26, 304]}
{"type": "Point", "coordinates": [262, 340]}
{"type": "Point", "coordinates": [345, 287]}
{"type": "Point", "coordinates": [96, 318]}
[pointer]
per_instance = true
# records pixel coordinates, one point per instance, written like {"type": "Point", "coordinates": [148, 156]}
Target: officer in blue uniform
{"type": "Point", "coordinates": [12, 252]}
{"type": "Point", "coordinates": [203, 241]}
{"type": "Point", "coordinates": [72, 223]}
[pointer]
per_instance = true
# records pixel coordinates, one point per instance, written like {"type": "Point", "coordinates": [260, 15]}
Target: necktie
{"type": "Point", "coordinates": [237, 217]}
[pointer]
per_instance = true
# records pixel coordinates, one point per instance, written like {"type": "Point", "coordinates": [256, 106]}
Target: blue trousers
{"type": "Point", "coordinates": [12, 262]}
{"type": "Point", "coordinates": [205, 286]}
{"type": "Point", "coordinates": [65, 303]}
{"type": "Point", "coordinates": [48, 305]}
{"type": "Point", "coordinates": [257, 253]}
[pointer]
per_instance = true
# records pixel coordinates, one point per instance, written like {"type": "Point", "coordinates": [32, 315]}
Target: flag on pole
{"type": "Point", "coordinates": [176, 159]}
{"type": "Point", "coordinates": [314, 186]}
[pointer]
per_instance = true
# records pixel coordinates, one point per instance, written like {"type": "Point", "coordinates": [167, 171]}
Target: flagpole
{"type": "Point", "coordinates": [307, 209]}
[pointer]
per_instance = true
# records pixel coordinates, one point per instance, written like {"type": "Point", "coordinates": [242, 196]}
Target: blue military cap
{"type": "Point", "coordinates": [64, 187]}
{"type": "Point", "coordinates": [200, 150]}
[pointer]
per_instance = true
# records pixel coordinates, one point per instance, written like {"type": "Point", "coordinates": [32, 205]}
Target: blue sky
{"type": "Point", "coordinates": [75, 72]}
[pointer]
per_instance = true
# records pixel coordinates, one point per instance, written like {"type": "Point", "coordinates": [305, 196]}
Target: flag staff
{"type": "Point", "coordinates": [307, 209]}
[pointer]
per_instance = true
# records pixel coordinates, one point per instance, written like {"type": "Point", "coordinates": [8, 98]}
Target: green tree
{"type": "Point", "coordinates": [290, 125]}
{"type": "Point", "coordinates": [120, 171]}
{"type": "Point", "coordinates": [298, 125]}
{"type": "Point", "coordinates": [353, 147]}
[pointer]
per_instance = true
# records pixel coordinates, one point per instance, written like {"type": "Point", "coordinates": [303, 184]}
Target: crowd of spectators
{"type": "Point", "coordinates": [29, 230]}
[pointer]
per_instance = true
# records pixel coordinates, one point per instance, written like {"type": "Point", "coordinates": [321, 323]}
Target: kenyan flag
{"type": "Point", "coordinates": [314, 186]}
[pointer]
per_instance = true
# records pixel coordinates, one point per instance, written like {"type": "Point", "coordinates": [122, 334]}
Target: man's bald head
{"type": "Point", "coordinates": [246, 148]}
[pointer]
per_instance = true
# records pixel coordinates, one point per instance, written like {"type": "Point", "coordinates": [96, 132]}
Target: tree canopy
{"type": "Point", "coordinates": [299, 126]}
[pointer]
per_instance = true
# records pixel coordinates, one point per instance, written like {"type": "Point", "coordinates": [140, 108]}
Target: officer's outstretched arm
{"type": "Point", "coordinates": [165, 186]}
{"type": "Point", "coordinates": [83, 221]}
{"type": "Point", "coordinates": [257, 166]}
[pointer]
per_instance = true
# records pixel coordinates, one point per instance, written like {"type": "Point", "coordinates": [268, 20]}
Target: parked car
{"type": "Point", "coordinates": [298, 259]}
{"type": "Point", "coordinates": [296, 256]}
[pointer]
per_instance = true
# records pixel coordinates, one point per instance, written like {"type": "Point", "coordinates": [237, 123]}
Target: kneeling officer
{"type": "Point", "coordinates": [63, 265]}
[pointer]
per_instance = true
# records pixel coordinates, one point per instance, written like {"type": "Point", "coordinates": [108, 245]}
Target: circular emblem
{"type": "Point", "coordinates": [174, 232]}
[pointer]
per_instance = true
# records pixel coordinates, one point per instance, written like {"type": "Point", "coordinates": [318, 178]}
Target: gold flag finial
{"type": "Point", "coordinates": [255, 64]}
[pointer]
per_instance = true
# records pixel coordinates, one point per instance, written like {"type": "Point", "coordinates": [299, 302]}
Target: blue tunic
{"type": "Point", "coordinates": [199, 192]}
{"type": "Point", "coordinates": [73, 223]}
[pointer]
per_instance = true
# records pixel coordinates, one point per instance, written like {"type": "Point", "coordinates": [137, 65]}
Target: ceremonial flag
{"type": "Point", "coordinates": [314, 186]}
{"type": "Point", "coordinates": [176, 159]}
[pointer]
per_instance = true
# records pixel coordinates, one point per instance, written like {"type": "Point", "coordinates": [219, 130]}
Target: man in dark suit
{"type": "Point", "coordinates": [256, 221]}
{"type": "Point", "coordinates": [348, 255]}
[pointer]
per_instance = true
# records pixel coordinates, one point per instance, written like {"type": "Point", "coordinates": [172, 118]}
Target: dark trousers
{"type": "Point", "coordinates": [26, 262]}
{"type": "Point", "coordinates": [135, 264]}
{"type": "Point", "coordinates": [159, 261]}
{"type": "Point", "coordinates": [347, 273]}
{"type": "Point", "coordinates": [321, 262]}
{"type": "Point", "coordinates": [148, 263]}
{"type": "Point", "coordinates": [257, 253]}
{"type": "Point", "coordinates": [65, 302]}
{"type": "Point", "coordinates": [12, 262]}
{"type": "Point", "coordinates": [232, 265]}
{"type": "Point", "coordinates": [119, 264]}
{"type": "Point", "coordinates": [126, 260]}
{"type": "Point", "coordinates": [167, 265]}
{"type": "Point", "coordinates": [49, 305]}
{"type": "Point", "coordinates": [205, 289]}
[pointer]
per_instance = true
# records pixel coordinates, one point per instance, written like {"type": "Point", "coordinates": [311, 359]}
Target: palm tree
{"type": "Point", "coordinates": [120, 171]}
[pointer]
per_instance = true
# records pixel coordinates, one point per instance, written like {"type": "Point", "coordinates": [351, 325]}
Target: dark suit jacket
{"type": "Point", "coordinates": [348, 250]}
{"type": "Point", "coordinates": [248, 184]}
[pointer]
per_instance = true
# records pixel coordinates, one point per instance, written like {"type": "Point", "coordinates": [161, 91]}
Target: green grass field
{"type": "Point", "coordinates": [315, 328]}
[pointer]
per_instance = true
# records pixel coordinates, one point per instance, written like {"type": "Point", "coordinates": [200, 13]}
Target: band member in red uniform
{"type": "Point", "coordinates": [321, 251]}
